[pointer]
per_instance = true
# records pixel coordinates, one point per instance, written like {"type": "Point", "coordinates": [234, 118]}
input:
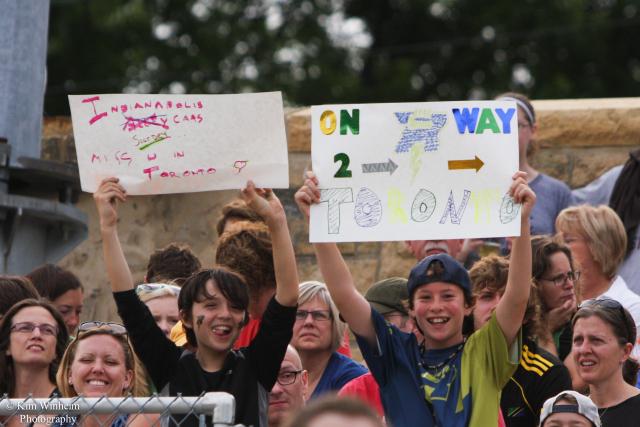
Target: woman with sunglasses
{"type": "Point", "coordinates": [100, 362]}
{"type": "Point", "coordinates": [162, 301]}
{"type": "Point", "coordinates": [598, 242]}
{"type": "Point", "coordinates": [317, 335]}
{"type": "Point", "coordinates": [603, 337]}
{"type": "Point", "coordinates": [555, 279]}
{"type": "Point", "coordinates": [33, 337]}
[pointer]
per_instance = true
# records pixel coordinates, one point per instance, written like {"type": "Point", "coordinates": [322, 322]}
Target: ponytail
{"type": "Point", "coordinates": [630, 369]}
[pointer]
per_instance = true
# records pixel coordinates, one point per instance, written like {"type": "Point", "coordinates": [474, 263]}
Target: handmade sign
{"type": "Point", "coordinates": [161, 144]}
{"type": "Point", "coordinates": [416, 171]}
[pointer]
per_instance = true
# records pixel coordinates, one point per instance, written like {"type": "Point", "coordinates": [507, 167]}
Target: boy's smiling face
{"type": "Point", "coordinates": [439, 309]}
{"type": "Point", "coordinates": [215, 322]}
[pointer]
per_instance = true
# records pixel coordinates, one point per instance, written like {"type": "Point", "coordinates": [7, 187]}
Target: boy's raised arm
{"type": "Point", "coordinates": [158, 354]}
{"type": "Point", "coordinates": [268, 206]}
{"type": "Point", "coordinates": [511, 308]}
{"type": "Point", "coordinates": [353, 307]}
{"type": "Point", "coordinates": [107, 197]}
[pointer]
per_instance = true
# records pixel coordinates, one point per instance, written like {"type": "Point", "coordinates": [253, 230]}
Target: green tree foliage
{"type": "Point", "coordinates": [203, 46]}
{"type": "Point", "coordinates": [458, 49]}
{"type": "Point", "coordinates": [412, 50]}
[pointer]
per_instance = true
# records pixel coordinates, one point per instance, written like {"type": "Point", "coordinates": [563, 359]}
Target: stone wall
{"type": "Point", "coordinates": [578, 140]}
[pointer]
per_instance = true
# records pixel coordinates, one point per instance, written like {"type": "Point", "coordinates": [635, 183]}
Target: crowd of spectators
{"type": "Point", "coordinates": [544, 333]}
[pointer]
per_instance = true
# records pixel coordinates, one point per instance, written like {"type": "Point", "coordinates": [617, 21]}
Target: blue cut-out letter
{"type": "Point", "coordinates": [466, 119]}
{"type": "Point", "coordinates": [505, 118]}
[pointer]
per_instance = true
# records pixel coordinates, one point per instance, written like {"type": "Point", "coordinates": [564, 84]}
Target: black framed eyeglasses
{"type": "Point", "coordinates": [288, 377]}
{"type": "Point", "coordinates": [29, 327]}
{"type": "Point", "coordinates": [110, 327]}
{"type": "Point", "coordinates": [317, 315]}
{"type": "Point", "coordinates": [561, 279]}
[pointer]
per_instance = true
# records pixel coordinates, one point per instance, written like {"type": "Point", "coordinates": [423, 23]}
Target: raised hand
{"type": "Point", "coordinates": [265, 203]}
{"type": "Point", "coordinates": [512, 306]}
{"type": "Point", "coordinates": [308, 194]}
{"type": "Point", "coordinates": [107, 197]}
{"type": "Point", "coordinates": [559, 316]}
{"type": "Point", "coordinates": [522, 193]}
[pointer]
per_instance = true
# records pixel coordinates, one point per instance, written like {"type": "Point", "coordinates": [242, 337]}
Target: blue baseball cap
{"type": "Point", "coordinates": [451, 272]}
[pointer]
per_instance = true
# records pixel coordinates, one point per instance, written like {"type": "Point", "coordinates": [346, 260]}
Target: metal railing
{"type": "Point", "coordinates": [216, 409]}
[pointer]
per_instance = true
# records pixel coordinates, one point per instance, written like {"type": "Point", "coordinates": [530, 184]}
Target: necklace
{"type": "Point", "coordinates": [445, 362]}
{"type": "Point", "coordinates": [603, 412]}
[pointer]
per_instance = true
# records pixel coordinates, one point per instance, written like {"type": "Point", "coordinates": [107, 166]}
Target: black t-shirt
{"type": "Point", "coordinates": [626, 413]}
{"type": "Point", "coordinates": [248, 374]}
{"type": "Point", "coordinates": [540, 375]}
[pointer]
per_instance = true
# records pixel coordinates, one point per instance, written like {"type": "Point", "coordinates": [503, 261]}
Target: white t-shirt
{"type": "Point", "coordinates": [620, 292]}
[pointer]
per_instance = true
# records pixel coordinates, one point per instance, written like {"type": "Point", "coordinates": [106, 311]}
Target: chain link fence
{"type": "Point", "coordinates": [210, 409]}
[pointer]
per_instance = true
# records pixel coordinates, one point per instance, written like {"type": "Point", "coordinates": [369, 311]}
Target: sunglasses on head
{"type": "Point", "coordinates": [110, 327]}
{"type": "Point", "coordinates": [612, 305]}
{"type": "Point", "coordinates": [153, 287]}
{"type": "Point", "coordinates": [604, 302]}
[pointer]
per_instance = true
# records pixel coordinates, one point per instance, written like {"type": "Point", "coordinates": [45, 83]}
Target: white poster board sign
{"type": "Point", "coordinates": [414, 171]}
{"type": "Point", "coordinates": [159, 144]}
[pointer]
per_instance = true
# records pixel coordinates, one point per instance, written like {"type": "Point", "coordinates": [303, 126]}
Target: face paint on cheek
{"type": "Point", "coordinates": [199, 321]}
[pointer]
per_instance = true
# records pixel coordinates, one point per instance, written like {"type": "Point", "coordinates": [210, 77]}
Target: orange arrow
{"type": "Point", "coordinates": [466, 164]}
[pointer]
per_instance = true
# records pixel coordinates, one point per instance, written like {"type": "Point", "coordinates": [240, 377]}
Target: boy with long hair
{"type": "Point", "coordinates": [213, 308]}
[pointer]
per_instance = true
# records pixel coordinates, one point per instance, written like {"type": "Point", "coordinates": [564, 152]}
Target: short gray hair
{"type": "Point", "coordinates": [314, 289]}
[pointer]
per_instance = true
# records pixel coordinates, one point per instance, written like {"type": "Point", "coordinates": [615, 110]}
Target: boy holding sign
{"type": "Point", "coordinates": [449, 379]}
{"type": "Point", "coordinates": [213, 309]}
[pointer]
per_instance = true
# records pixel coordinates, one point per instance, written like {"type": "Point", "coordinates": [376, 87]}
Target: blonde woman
{"type": "Point", "coordinates": [162, 301]}
{"type": "Point", "coordinates": [100, 362]}
{"type": "Point", "coordinates": [598, 242]}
